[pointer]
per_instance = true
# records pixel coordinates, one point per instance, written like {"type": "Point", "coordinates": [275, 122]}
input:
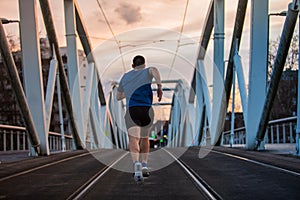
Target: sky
{"type": "Point", "coordinates": [150, 28]}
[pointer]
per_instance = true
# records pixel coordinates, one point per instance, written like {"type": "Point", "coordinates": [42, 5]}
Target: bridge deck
{"type": "Point", "coordinates": [231, 173]}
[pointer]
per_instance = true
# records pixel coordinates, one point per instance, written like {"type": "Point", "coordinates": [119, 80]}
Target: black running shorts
{"type": "Point", "coordinates": [139, 116]}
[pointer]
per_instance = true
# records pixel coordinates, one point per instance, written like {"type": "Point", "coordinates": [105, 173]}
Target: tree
{"type": "Point", "coordinates": [13, 42]}
{"type": "Point", "coordinates": [285, 100]}
{"type": "Point", "coordinates": [292, 58]}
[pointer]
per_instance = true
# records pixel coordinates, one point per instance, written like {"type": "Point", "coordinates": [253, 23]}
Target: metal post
{"type": "Point", "coordinates": [18, 140]}
{"type": "Point", "coordinates": [232, 109]}
{"type": "Point", "coordinates": [277, 134]}
{"type": "Point", "coordinates": [200, 106]}
{"type": "Point", "coordinates": [32, 69]}
{"type": "Point", "coordinates": [61, 120]}
{"type": "Point", "coordinates": [284, 133]}
{"type": "Point", "coordinates": [47, 16]}
{"type": "Point", "coordinates": [298, 101]}
{"type": "Point", "coordinates": [50, 90]}
{"type": "Point", "coordinates": [73, 66]}
{"type": "Point", "coordinates": [279, 63]}
{"type": "Point", "coordinates": [218, 71]}
{"type": "Point", "coordinates": [272, 134]}
{"type": "Point", "coordinates": [291, 132]}
{"type": "Point", "coordinates": [257, 71]}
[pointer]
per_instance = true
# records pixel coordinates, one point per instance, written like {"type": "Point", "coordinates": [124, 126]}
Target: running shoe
{"type": "Point", "coordinates": [145, 171]}
{"type": "Point", "coordinates": [138, 175]}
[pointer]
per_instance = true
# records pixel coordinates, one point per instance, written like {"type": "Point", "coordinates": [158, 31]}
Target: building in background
{"type": "Point", "coordinates": [9, 110]}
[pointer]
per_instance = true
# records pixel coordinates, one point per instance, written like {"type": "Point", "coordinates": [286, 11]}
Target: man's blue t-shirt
{"type": "Point", "coordinates": [136, 84]}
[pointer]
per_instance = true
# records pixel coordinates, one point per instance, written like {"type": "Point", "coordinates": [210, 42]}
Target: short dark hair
{"type": "Point", "coordinates": [138, 60]}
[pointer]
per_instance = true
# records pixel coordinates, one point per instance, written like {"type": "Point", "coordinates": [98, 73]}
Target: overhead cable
{"type": "Point", "coordinates": [113, 34]}
{"type": "Point", "coordinates": [178, 41]}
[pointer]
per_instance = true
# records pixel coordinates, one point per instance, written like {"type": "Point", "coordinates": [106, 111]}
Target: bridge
{"type": "Point", "coordinates": [74, 143]}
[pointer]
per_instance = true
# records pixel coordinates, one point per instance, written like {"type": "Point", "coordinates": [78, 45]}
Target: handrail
{"type": "Point", "coordinates": [16, 138]}
{"type": "Point", "coordinates": [19, 128]}
{"type": "Point", "coordinates": [270, 123]}
{"type": "Point", "coordinates": [278, 131]}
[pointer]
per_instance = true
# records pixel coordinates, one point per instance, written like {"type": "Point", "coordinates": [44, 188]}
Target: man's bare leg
{"type": "Point", "coordinates": [144, 144]}
{"type": "Point", "coordinates": [134, 148]}
{"type": "Point", "coordinates": [145, 147]}
{"type": "Point", "coordinates": [134, 140]}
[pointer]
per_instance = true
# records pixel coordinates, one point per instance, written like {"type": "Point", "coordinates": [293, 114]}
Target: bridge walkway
{"type": "Point", "coordinates": [227, 173]}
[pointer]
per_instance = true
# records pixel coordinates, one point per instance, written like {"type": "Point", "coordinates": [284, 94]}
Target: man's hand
{"type": "Point", "coordinates": [159, 92]}
{"type": "Point", "coordinates": [120, 95]}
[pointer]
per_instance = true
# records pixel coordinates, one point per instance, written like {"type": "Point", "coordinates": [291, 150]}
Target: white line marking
{"type": "Point", "coordinates": [192, 176]}
{"type": "Point", "coordinates": [258, 163]}
{"type": "Point", "coordinates": [40, 167]}
{"type": "Point", "coordinates": [97, 178]}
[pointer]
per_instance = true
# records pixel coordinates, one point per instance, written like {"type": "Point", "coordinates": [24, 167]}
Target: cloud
{"type": "Point", "coordinates": [130, 13]}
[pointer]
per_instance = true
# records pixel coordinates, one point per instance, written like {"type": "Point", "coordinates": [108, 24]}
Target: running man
{"type": "Point", "coordinates": [135, 86]}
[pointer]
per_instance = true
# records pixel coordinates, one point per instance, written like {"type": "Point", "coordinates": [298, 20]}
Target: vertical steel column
{"type": "Point", "coordinates": [298, 100]}
{"type": "Point", "coordinates": [87, 95]}
{"type": "Point", "coordinates": [232, 110]}
{"type": "Point", "coordinates": [61, 120]}
{"type": "Point", "coordinates": [48, 20]}
{"type": "Point", "coordinates": [218, 70]}
{"type": "Point", "coordinates": [73, 65]}
{"type": "Point", "coordinates": [257, 72]}
{"type": "Point", "coordinates": [283, 48]}
{"type": "Point", "coordinates": [94, 106]}
{"type": "Point", "coordinates": [219, 40]}
{"type": "Point", "coordinates": [32, 69]}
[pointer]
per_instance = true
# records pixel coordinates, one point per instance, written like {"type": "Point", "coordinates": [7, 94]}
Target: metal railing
{"type": "Point", "coordinates": [279, 131]}
{"type": "Point", "coordinates": [15, 138]}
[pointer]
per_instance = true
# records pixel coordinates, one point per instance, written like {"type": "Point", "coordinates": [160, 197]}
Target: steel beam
{"type": "Point", "coordinates": [242, 85]}
{"type": "Point", "coordinates": [258, 68]}
{"type": "Point", "coordinates": [60, 113]}
{"type": "Point", "coordinates": [237, 35]}
{"type": "Point", "coordinates": [298, 100]}
{"type": "Point", "coordinates": [202, 91]}
{"type": "Point", "coordinates": [32, 70]}
{"type": "Point", "coordinates": [85, 41]}
{"type": "Point", "coordinates": [204, 41]}
{"type": "Point", "coordinates": [48, 20]}
{"type": "Point", "coordinates": [283, 48]}
{"type": "Point", "coordinates": [50, 90]}
{"type": "Point", "coordinates": [73, 66]}
{"type": "Point", "coordinates": [218, 71]}
{"type": "Point", "coordinates": [18, 90]}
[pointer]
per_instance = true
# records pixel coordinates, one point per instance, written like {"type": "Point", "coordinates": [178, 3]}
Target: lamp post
{"type": "Point", "coordinates": [282, 14]}
{"type": "Point", "coordinates": [298, 103]}
{"type": "Point", "coordinates": [8, 21]}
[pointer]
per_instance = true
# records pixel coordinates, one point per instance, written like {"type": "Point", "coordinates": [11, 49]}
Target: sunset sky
{"type": "Point", "coordinates": [151, 28]}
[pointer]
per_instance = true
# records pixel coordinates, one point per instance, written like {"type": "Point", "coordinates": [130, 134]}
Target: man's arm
{"type": "Point", "coordinates": [155, 73]}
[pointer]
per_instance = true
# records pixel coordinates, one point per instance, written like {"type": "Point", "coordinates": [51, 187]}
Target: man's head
{"type": "Point", "coordinates": [138, 60]}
